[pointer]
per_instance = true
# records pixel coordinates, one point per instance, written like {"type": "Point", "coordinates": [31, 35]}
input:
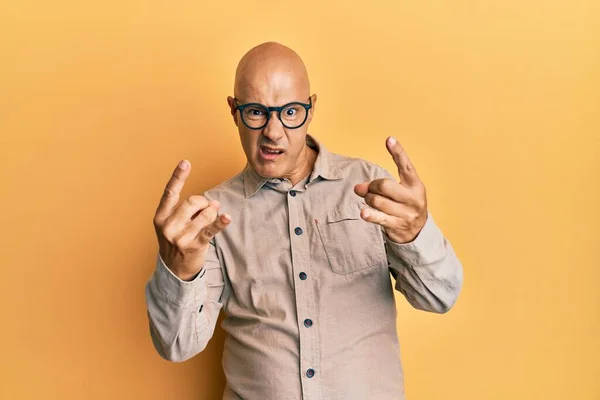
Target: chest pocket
{"type": "Point", "coordinates": [351, 243]}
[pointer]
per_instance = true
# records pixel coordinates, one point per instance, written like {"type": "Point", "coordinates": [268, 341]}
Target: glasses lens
{"type": "Point", "coordinates": [293, 115]}
{"type": "Point", "coordinates": [255, 116]}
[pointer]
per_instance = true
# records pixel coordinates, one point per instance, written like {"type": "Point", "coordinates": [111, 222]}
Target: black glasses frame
{"type": "Point", "coordinates": [241, 107]}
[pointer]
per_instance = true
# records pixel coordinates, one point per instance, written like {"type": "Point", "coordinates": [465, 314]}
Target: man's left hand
{"type": "Point", "coordinates": [399, 207]}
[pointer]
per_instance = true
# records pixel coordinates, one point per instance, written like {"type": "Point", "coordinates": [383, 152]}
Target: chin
{"type": "Point", "coordinates": [268, 171]}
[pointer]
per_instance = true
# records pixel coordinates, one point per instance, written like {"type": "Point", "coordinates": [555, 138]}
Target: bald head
{"type": "Point", "coordinates": [274, 76]}
{"type": "Point", "coordinates": [271, 73]}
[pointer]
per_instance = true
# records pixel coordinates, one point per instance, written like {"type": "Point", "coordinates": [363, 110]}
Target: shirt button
{"type": "Point", "coordinates": [298, 231]}
{"type": "Point", "coordinates": [302, 275]}
{"type": "Point", "coordinates": [310, 373]}
{"type": "Point", "coordinates": [293, 193]}
{"type": "Point", "coordinates": [308, 322]}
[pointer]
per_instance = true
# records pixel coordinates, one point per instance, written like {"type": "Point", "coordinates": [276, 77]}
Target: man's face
{"type": "Point", "coordinates": [273, 151]}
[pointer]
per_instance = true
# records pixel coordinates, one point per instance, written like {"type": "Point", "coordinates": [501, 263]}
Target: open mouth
{"type": "Point", "coordinates": [269, 153]}
{"type": "Point", "coordinates": [268, 150]}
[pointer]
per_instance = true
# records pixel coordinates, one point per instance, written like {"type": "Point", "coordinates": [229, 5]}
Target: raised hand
{"type": "Point", "coordinates": [184, 231]}
{"type": "Point", "coordinates": [399, 207]}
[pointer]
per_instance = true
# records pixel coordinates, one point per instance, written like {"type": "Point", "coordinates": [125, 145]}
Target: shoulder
{"type": "Point", "coordinates": [227, 190]}
{"type": "Point", "coordinates": [349, 167]}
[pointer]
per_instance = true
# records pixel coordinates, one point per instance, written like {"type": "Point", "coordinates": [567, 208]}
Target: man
{"type": "Point", "coordinates": [297, 249]}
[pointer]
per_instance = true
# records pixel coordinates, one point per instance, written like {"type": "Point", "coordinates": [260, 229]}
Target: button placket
{"type": "Point", "coordinates": [304, 296]}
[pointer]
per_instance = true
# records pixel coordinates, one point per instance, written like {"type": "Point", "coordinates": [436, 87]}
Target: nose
{"type": "Point", "coordinates": [274, 128]}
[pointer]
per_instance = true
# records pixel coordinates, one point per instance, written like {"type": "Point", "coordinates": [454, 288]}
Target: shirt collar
{"type": "Point", "coordinates": [324, 167]}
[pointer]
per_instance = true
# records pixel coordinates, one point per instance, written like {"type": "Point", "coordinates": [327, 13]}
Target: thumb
{"type": "Point", "coordinates": [362, 189]}
{"type": "Point", "coordinates": [406, 171]}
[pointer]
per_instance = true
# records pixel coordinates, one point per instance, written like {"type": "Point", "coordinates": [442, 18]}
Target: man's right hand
{"type": "Point", "coordinates": [184, 231]}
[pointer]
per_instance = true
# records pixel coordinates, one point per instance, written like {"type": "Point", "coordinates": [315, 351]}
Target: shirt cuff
{"type": "Point", "coordinates": [179, 291]}
{"type": "Point", "coordinates": [426, 248]}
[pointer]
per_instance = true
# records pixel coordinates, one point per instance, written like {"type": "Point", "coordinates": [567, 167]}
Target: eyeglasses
{"type": "Point", "coordinates": [256, 115]}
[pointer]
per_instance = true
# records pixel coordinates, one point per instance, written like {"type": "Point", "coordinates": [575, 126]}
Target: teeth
{"type": "Point", "coordinates": [271, 151]}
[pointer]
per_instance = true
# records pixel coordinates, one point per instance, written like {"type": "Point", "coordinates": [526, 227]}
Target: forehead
{"type": "Point", "coordinates": [272, 87]}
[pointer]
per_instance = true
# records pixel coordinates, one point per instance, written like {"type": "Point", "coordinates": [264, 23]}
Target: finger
{"type": "Point", "coordinates": [377, 217]}
{"type": "Point", "coordinates": [211, 230]}
{"type": "Point", "coordinates": [203, 218]}
{"type": "Point", "coordinates": [406, 170]}
{"type": "Point", "coordinates": [170, 196]}
{"type": "Point", "coordinates": [392, 190]}
{"type": "Point", "coordinates": [384, 204]}
{"type": "Point", "coordinates": [361, 189]}
{"type": "Point", "coordinates": [189, 210]}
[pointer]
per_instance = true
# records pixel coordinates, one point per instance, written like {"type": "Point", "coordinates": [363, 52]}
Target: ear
{"type": "Point", "coordinates": [313, 100]}
{"type": "Point", "coordinates": [232, 109]}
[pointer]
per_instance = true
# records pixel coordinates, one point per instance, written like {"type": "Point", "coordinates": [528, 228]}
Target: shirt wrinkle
{"type": "Point", "coordinates": [306, 287]}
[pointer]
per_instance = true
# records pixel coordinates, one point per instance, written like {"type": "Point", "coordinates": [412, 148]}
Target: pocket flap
{"type": "Point", "coordinates": [351, 244]}
{"type": "Point", "coordinates": [348, 212]}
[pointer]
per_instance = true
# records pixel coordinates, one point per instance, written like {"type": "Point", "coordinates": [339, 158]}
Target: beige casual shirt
{"type": "Point", "coordinates": [306, 287]}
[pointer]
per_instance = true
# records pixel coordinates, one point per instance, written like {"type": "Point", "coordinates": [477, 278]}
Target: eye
{"type": "Point", "coordinates": [292, 111]}
{"type": "Point", "coordinates": [255, 112]}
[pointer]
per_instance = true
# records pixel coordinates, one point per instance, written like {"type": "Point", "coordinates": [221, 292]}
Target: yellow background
{"type": "Point", "coordinates": [497, 103]}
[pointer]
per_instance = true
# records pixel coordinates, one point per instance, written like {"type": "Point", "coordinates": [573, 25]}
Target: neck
{"type": "Point", "coordinates": [305, 165]}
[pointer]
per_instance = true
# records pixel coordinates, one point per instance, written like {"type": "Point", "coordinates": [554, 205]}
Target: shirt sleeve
{"type": "Point", "coordinates": [427, 270]}
{"type": "Point", "coordinates": [182, 315]}
{"type": "Point", "coordinates": [428, 273]}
